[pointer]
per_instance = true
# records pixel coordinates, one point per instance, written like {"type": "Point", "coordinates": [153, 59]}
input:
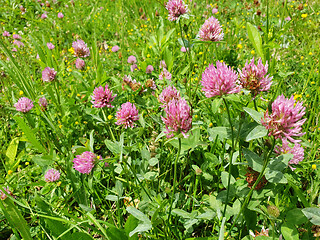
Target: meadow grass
{"type": "Point", "coordinates": [223, 177]}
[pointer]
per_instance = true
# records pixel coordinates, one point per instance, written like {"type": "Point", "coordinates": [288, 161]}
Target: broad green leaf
{"type": "Point", "coordinates": [258, 132]}
{"type": "Point", "coordinates": [221, 132]}
{"type": "Point", "coordinates": [225, 177]}
{"type": "Point", "coordinates": [11, 152]}
{"type": "Point", "coordinates": [142, 227]}
{"type": "Point", "coordinates": [207, 215]}
{"type": "Point", "coordinates": [29, 134]}
{"type": "Point", "coordinates": [15, 218]}
{"type": "Point", "coordinates": [81, 236]}
{"type": "Point", "coordinates": [138, 214]}
{"type": "Point", "coordinates": [254, 114]}
{"type": "Point", "coordinates": [289, 231]}
{"type": "Point", "coordinates": [296, 217]}
{"type": "Point", "coordinates": [182, 213]}
{"type": "Point", "coordinates": [313, 214]}
{"type": "Point", "coordinates": [44, 160]}
{"type": "Point", "coordinates": [190, 142]}
{"type": "Point", "coordinates": [255, 39]}
{"type": "Point", "coordinates": [114, 147]}
{"type": "Point", "coordinates": [254, 161]}
{"type": "Point", "coordinates": [274, 176]}
{"type": "Point", "coordinates": [250, 217]}
{"type": "Point", "coordinates": [130, 225]}
{"type": "Point", "coordinates": [153, 161]}
{"type": "Point", "coordinates": [296, 187]}
{"type": "Point", "coordinates": [280, 163]}
{"type": "Point", "coordinates": [113, 198]}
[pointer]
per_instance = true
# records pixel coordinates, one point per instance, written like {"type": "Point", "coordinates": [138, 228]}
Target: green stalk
{"type": "Point", "coordinates": [106, 120]}
{"type": "Point", "coordinates": [201, 69]}
{"type": "Point", "coordinates": [247, 199]}
{"type": "Point", "coordinates": [58, 98]}
{"type": "Point", "coordinates": [195, 189]}
{"type": "Point", "coordinates": [255, 104]}
{"type": "Point", "coordinates": [137, 179]}
{"type": "Point", "coordinates": [174, 178]}
{"type": "Point", "coordinates": [231, 156]}
{"type": "Point", "coordinates": [267, 35]}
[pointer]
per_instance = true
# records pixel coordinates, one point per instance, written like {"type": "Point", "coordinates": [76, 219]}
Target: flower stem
{"type": "Point", "coordinates": [174, 178]}
{"type": "Point", "coordinates": [135, 176]}
{"type": "Point", "coordinates": [247, 199]}
{"type": "Point", "coordinates": [231, 156]}
{"type": "Point", "coordinates": [204, 54]}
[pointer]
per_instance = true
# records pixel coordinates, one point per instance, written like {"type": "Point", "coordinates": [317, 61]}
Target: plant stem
{"type": "Point", "coordinates": [140, 184]}
{"type": "Point", "coordinates": [231, 156]}
{"type": "Point", "coordinates": [247, 199]}
{"type": "Point", "coordinates": [205, 50]}
{"type": "Point", "coordinates": [174, 177]}
{"type": "Point", "coordinates": [255, 104]}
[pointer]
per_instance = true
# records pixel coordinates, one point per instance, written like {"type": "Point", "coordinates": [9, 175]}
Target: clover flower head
{"type": "Point", "coordinates": [132, 59]}
{"type": "Point", "coordinates": [285, 120]}
{"type": "Point", "coordinates": [115, 48]}
{"type": "Point", "coordinates": [85, 162]}
{"type": "Point", "coordinates": [254, 77]}
{"type": "Point", "coordinates": [102, 97]}
{"type": "Point", "coordinates": [211, 30]}
{"type": "Point", "coordinates": [48, 74]}
{"type": "Point", "coordinates": [149, 69]}
{"type": "Point", "coordinates": [24, 105]}
{"type": "Point", "coordinates": [168, 94]}
{"type": "Point", "coordinates": [165, 74]}
{"type": "Point", "coordinates": [4, 194]}
{"type": "Point", "coordinates": [80, 49]}
{"type": "Point", "coordinates": [16, 36]}
{"type": "Point", "coordinates": [44, 15]}
{"type": "Point", "coordinates": [80, 63]}
{"type": "Point", "coordinates": [6, 34]}
{"type": "Point", "coordinates": [178, 117]}
{"type": "Point", "coordinates": [297, 151]}
{"type": "Point", "coordinates": [163, 64]}
{"type": "Point", "coordinates": [50, 45]}
{"type": "Point", "coordinates": [52, 175]}
{"type": "Point", "coordinates": [219, 80]}
{"type": "Point", "coordinates": [43, 103]}
{"type": "Point", "coordinates": [176, 8]}
{"type": "Point", "coordinates": [18, 43]}
{"type": "Point", "coordinates": [127, 115]}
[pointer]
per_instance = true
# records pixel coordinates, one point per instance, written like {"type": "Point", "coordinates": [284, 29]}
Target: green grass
{"type": "Point", "coordinates": [132, 196]}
